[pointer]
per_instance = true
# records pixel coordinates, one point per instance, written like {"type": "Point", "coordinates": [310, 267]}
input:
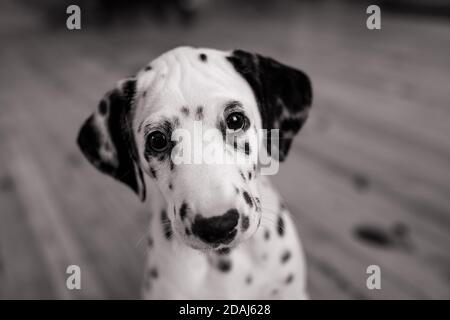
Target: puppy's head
{"type": "Point", "coordinates": [191, 120]}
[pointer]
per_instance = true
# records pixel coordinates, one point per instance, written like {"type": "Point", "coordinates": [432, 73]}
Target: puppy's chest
{"type": "Point", "coordinates": [266, 266]}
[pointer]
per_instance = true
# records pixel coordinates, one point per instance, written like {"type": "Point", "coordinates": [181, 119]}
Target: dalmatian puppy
{"type": "Point", "coordinates": [218, 230]}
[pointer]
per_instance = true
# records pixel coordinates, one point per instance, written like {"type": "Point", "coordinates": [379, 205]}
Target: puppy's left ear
{"type": "Point", "coordinates": [283, 94]}
{"type": "Point", "coordinates": [107, 141]}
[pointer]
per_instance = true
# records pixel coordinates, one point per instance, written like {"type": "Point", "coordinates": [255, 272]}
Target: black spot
{"type": "Point", "coordinates": [153, 173]}
{"type": "Point", "coordinates": [236, 189]}
{"type": "Point", "coordinates": [203, 57]}
{"type": "Point", "coordinates": [172, 165]}
{"type": "Point", "coordinates": [249, 175]}
{"type": "Point", "coordinates": [150, 242]}
{"type": "Point", "coordinates": [245, 223]}
{"type": "Point", "coordinates": [147, 68]}
{"type": "Point", "coordinates": [167, 227]}
{"type": "Point", "coordinates": [223, 251]}
{"type": "Point", "coordinates": [188, 232]}
{"type": "Point", "coordinates": [223, 129]}
{"type": "Point", "coordinates": [258, 202]}
{"type": "Point", "coordinates": [144, 94]}
{"type": "Point", "coordinates": [170, 186]}
{"type": "Point", "coordinates": [285, 256]}
{"type": "Point", "coordinates": [280, 226]}
{"type": "Point", "coordinates": [103, 108]}
{"type": "Point", "coordinates": [289, 278]}
{"type": "Point", "coordinates": [242, 175]}
{"type": "Point", "coordinates": [140, 127]}
{"type": "Point", "coordinates": [247, 148]}
{"type": "Point", "coordinates": [374, 236]}
{"type": "Point", "coordinates": [183, 210]}
{"type": "Point", "coordinates": [199, 113]}
{"type": "Point", "coordinates": [248, 199]}
{"type": "Point", "coordinates": [224, 265]}
{"type": "Point", "coordinates": [185, 111]}
{"type": "Point", "coordinates": [154, 273]}
{"type": "Point", "coordinates": [235, 145]}
{"type": "Point", "coordinates": [249, 279]}
{"type": "Point", "coordinates": [290, 125]}
{"type": "Point", "coordinates": [396, 236]}
{"type": "Point", "coordinates": [267, 234]}
{"type": "Point", "coordinates": [360, 182]}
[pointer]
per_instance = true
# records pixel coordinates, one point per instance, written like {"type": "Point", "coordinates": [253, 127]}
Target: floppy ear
{"type": "Point", "coordinates": [283, 94]}
{"type": "Point", "coordinates": [106, 137]}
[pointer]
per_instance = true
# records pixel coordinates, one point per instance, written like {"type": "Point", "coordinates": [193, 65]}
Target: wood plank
{"type": "Point", "coordinates": [54, 234]}
{"type": "Point", "coordinates": [23, 273]}
{"type": "Point", "coordinates": [391, 167]}
{"type": "Point", "coordinates": [72, 190]}
{"type": "Point", "coordinates": [341, 209]}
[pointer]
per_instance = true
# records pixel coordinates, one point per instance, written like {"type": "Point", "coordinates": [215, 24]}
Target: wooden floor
{"type": "Point", "coordinates": [368, 180]}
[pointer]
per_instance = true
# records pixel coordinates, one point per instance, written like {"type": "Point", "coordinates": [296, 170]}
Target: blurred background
{"type": "Point", "coordinates": [368, 179]}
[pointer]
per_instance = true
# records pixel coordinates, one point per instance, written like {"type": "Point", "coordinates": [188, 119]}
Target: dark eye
{"type": "Point", "coordinates": [157, 141]}
{"type": "Point", "coordinates": [236, 121]}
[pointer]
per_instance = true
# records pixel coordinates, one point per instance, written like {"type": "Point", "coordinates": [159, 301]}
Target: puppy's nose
{"type": "Point", "coordinates": [218, 229]}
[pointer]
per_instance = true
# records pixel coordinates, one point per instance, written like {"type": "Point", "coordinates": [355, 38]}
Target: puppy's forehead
{"type": "Point", "coordinates": [190, 77]}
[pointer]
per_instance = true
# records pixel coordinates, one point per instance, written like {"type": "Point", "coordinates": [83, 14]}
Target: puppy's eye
{"type": "Point", "coordinates": [157, 141]}
{"type": "Point", "coordinates": [236, 121]}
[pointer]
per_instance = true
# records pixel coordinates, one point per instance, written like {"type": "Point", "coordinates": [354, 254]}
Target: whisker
{"type": "Point", "coordinates": [276, 225]}
{"type": "Point", "coordinates": [141, 238]}
{"type": "Point", "coordinates": [271, 219]}
{"type": "Point", "coordinates": [270, 210]}
{"type": "Point", "coordinates": [272, 224]}
{"type": "Point", "coordinates": [287, 212]}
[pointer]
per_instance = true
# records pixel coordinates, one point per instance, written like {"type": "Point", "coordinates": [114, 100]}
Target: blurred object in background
{"type": "Point", "coordinates": [419, 7]}
{"type": "Point", "coordinates": [435, 8]}
{"type": "Point", "coordinates": [113, 12]}
{"type": "Point", "coordinates": [109, 12]}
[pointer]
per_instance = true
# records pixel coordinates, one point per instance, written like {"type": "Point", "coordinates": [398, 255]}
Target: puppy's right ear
{"type": "Point", "coordinates": [283, 94]}
{"type": "Point", "coordinates": [106, 137]}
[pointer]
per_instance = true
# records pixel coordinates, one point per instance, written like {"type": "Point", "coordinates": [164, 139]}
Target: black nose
{"type": "Point", "coordinates": [220, 229]}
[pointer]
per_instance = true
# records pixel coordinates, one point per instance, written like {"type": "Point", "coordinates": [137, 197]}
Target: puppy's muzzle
{"type": "Point", "coordinates": [218, 229]}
